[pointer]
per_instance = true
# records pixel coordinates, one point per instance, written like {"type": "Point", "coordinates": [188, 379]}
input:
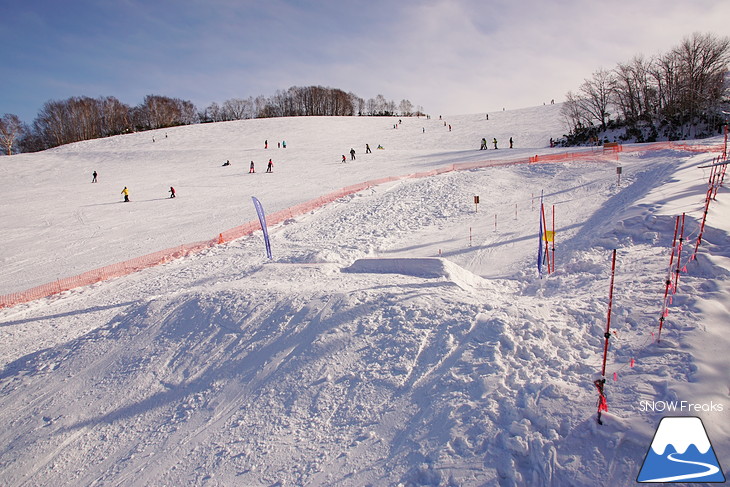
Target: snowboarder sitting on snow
{"type": "Point", "coordinates": [172, 192]}
{"type": "Point", "coordinates": [379, 147]}
{"type": "Point", "coordinates": [125, 192]}
{"type": "Point", "coordinates": [227, 163]}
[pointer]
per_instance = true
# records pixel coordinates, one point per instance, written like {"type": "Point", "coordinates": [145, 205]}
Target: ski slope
{"type": "Point", "coordinates": [399, 336]}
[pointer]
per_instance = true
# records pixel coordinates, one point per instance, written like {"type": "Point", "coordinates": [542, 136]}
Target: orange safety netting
{"type": "Point", "coordinates": [120, 269]}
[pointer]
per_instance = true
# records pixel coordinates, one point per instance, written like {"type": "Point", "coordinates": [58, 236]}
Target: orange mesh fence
{"type": "Point", "coordinates": [678, 146]}
{"type": "Point", "coordinates": [150, 260]}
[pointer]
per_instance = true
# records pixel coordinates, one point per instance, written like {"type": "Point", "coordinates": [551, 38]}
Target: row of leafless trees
{"type": "Point", "coordinates": [687, 85]}
{"type": "Point", "coordinates": [305, 101]}
{"type": "Point", "coordinates": [83, 118]}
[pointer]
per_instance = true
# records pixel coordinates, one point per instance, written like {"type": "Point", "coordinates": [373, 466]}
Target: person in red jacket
{"type": "Point", "coordinates": [172, 192]}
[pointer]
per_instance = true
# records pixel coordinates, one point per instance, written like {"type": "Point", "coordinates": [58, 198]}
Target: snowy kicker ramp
{"type": "Point", "coordinates": [427, 268]}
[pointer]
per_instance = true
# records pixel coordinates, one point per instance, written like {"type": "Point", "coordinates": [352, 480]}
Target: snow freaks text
{"type": "Point", "coordinates": [680, 406]}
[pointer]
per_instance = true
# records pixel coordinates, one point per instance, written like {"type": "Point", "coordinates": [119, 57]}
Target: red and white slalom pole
{"type": "Point", "coordinates": [600, 383]}
{"type": "Point", "coordinates": [668, 283]}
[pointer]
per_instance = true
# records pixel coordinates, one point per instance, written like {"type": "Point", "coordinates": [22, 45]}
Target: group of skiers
{"type": "Point", "coordinates": [494, 141]}
{"type": "Point", "coordinates": [125, 190]}
{"type": "Point", "coordinates": [269, 167]}
{"type": "Point", "coordinates": [367, 151]}
{"type": "Point", "coordinates": [280, 145]}
{"type": "Point", "coordinates": [252, 166]}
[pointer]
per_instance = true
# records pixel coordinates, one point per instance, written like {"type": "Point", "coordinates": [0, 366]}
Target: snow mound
{"type": "Point", "coordinates": [427, 268]}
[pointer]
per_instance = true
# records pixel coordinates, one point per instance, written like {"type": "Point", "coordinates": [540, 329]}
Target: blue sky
{"type": "Point", "coordinates": [448, 56]}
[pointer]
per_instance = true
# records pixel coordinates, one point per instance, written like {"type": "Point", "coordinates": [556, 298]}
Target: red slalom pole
{"type": "Point", "coordinates": [702, 228]}
{"type": "Point", "coordinates": [553, 250]}
{"type": "Point", "coordinates": [599, 383]}
{"type": "Point", "coordinates": [679, 255]}
{"type": "Point", "coordinates": [718, 175]}
{"type": "Point", "coordinates": [607, 335]}
{"type": "Point", "coordinates": [669, 280]}
{"type": "Point", "coordinates": [712, 182]}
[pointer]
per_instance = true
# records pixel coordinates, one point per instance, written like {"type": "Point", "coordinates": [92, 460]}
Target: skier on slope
{"type": "Point", "coordinates": [270, 166]}
{"type": "Point", "coordinates": [125, 192]}
{"type": "Point", "coordinates": [251, 168]}
{"type": "Point", "coordinates": [172, 192]}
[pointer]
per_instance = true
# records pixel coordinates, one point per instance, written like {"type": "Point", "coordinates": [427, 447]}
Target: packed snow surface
{"type": "Point", "coordinates": [399, 336]}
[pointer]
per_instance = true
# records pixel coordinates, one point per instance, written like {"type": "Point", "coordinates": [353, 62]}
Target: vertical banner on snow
{"type": "Point", "coordinates": [262, 220]}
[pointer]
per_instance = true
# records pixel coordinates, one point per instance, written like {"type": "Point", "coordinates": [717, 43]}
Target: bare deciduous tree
{"type": "Point", "coordinates": [572, 112]}
{"type": "Point", "coordinates": [11, 128]}
{"type": "Point", "coordinates": [238, 108]}
{"type": "Point", "coordinates": [703, 61]}
{"type": "Point", "coordinates": [405, 108]}
{"type": "Point", "coordinates": [596, 95]}
{"type": "Point", "coordinates": [162, 111]}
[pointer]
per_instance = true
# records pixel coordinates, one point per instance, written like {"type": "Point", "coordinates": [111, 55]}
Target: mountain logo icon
{"type": "Point", "coordinates": [681, 452]}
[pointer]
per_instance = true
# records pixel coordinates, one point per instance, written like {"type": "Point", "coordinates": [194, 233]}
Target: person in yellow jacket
{"type": "Point", "coordinates": [125, 192]}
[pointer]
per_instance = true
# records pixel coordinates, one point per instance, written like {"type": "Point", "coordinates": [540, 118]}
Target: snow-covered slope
{"type": "Point", "coordinates": [400, 336]}
{"type": "Point", "coordinates": [57, 224]}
